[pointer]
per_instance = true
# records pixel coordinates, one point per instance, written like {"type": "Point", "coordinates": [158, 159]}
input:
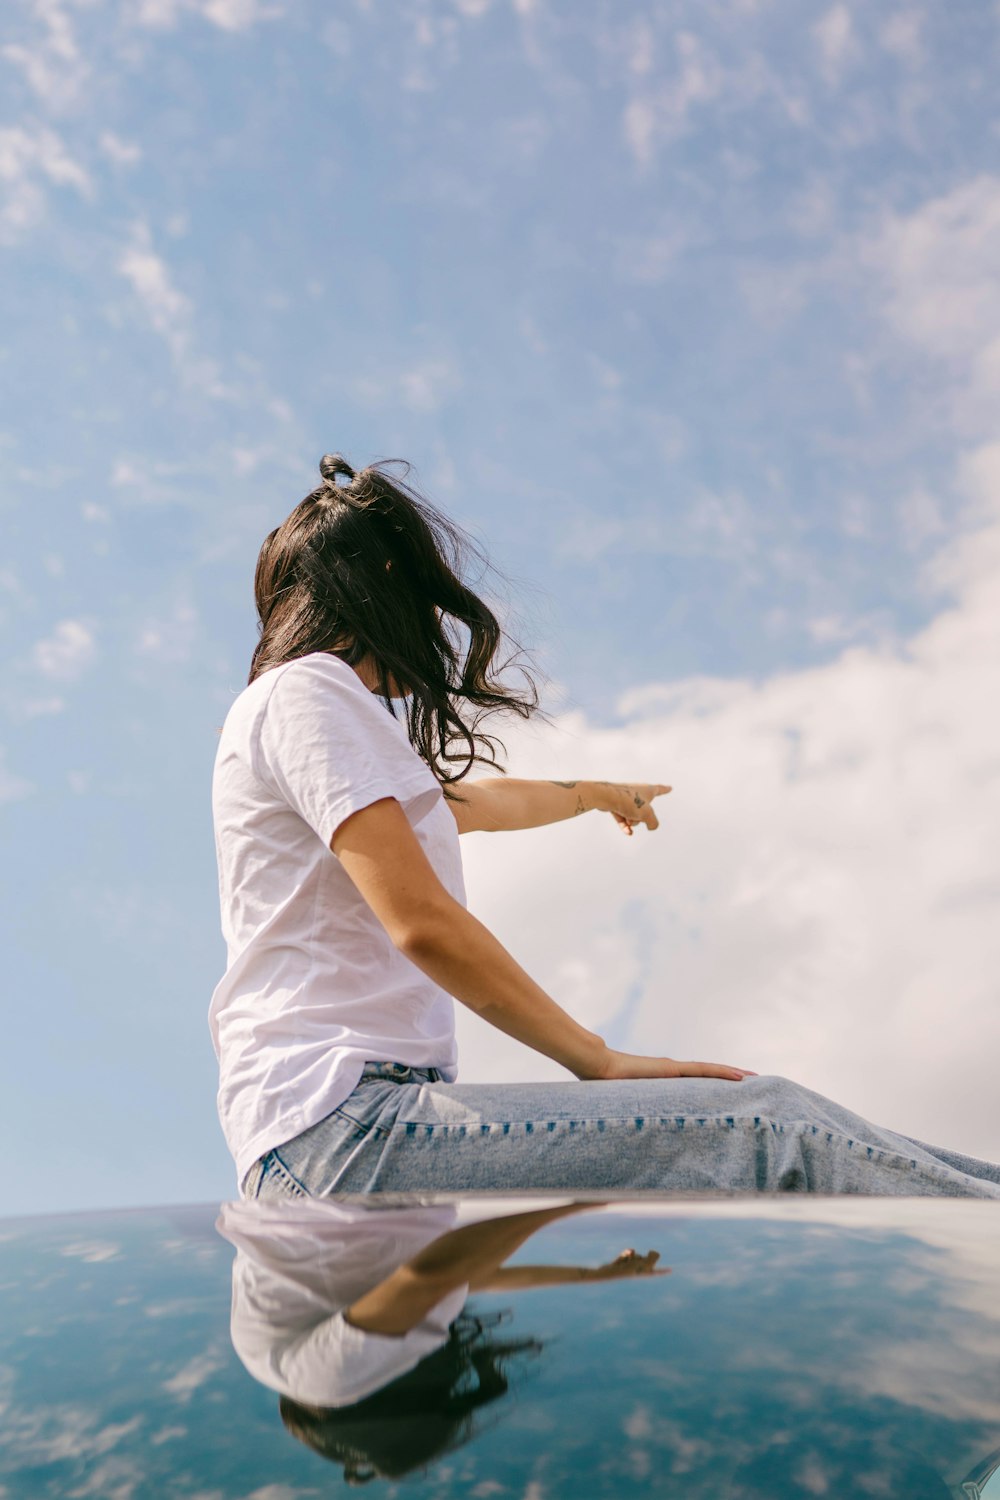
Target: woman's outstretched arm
{"type": "Point", "coordinates": [383, 857]}
{"type": "Point", "coordinates": [498, 804]}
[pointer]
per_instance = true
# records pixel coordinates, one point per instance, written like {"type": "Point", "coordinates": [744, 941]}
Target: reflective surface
{"type": "Point", "coordinates": [747, 1348]}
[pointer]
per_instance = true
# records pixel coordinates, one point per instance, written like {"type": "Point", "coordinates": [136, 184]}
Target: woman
{"type": "Point", "coordinates": [337, 826]}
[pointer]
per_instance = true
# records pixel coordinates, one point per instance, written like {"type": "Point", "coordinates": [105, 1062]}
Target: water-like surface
{"type": "Point", "coordinates": [797, 1348]}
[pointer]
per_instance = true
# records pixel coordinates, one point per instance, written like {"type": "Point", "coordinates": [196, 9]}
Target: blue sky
{"type": "Point", "coordinates": [690, 312]}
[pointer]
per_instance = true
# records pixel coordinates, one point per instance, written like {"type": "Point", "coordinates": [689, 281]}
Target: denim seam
{"type": "Point", "coordinates": [417, 1129]}
{"type": "Point", "coordinates": [283, 1167]}
{"type": "Point", "coordinates": [366, 1127]}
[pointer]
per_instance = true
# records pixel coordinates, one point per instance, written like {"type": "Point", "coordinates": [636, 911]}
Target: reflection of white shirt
{"type": "Point", "coordinates": [298, 1265]}
{"type": "Point", "coordinates": [314, 987]}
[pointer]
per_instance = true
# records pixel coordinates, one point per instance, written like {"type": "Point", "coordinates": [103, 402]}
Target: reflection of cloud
{"type": "Point", "coordinates": [945, 1262]}
{"type": "Point", "coordinates": [167, 1435]}
{"type": "Point", "coordinates": [193, 1375]}
{"type": "Point", "coordinates": [53, 1434]}
{"type": "Point", "coordinates": [92, 1251]}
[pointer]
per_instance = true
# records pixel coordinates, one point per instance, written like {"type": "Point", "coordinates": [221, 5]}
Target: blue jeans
{"type": "Point", "coordinates": [403, 1130]}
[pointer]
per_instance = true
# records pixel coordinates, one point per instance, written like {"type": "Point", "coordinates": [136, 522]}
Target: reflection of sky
{"type": "Point", "coordinates": [783, 1357]}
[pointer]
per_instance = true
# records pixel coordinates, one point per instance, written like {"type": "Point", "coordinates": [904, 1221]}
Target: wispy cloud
{"type": "Point", "coordinates": [30, 157]}
{"type": "Point", "coordinates": [169, 311]}
{"type": "Point", "coordinates": [167, 308]}
{"type": "Point", "coordinates": [423, 387]}
{"type": "Point", "coordinates": [661, 114]}
{"type": "Point", "coordinates": [51, 62]}
{"type": "Point", "coordinates": [938, 268]}
{"type": "Point", "coordinates": [169, 639]}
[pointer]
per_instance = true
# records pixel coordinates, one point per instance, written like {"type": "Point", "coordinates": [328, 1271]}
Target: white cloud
{"type": "Point", "coordinates": [238, 15]}
{"type": "Point", "coordinates": [52, 65]}
{"type": "Point", "coordinates": [939, 272]}
{"type": "Point", "coordinates": [29, 157]}
{"type": "Point", "coordinates": [168, 310]}
{"type": "Point", "coordinates": [124, 153]}
{"type": "Point", "coordinates": [834, 33]}
{"type": "Point", "coordinates": [67, 652]}
{"type": "Point", "coordinates": [820, 900]}
{"type": "Point", "coordinates": [660, 114]}
{"type": "Point", "coordinates": [227, 15]}
{"type": "Point", "coordinates": [901, 35]}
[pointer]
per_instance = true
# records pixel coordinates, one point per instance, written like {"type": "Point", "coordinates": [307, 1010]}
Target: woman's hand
{"type": "Point", "coordinates": [631, 1065]}
{"type": "Point", "coordinates": [628, 802]}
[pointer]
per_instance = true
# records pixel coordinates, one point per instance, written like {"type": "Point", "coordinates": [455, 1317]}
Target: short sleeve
{"type": "Point", "coordinates": [336, 1364]}
{"type": "Point", "coordinates": [328, 747]}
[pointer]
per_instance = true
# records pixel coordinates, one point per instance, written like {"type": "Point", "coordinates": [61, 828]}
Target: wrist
{"type": "Point", "coordinates": [590, 795]}
{"type": "Point", "coordinates": [595, 1062]}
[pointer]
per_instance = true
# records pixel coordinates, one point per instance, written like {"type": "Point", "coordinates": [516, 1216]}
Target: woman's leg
{"type": "Point", "coordinates": [683, 1134]}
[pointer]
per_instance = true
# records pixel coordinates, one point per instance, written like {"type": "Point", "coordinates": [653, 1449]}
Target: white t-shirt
{"type": "Point", "coordinates": [314, 987]}
{"type": "Point", "coordinates": [299, 1264]}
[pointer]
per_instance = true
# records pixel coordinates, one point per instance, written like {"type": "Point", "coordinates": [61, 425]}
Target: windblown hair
{"type": "Point", "coordinates": [432, 1410]}
{"type": "Point", "coordinates": [371, 571]}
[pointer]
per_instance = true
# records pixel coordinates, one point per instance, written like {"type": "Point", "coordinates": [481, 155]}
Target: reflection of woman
{"type": "Point", "coordinates": [355, 1317]}
{"type": "Point", "coordinates": [347, 933]}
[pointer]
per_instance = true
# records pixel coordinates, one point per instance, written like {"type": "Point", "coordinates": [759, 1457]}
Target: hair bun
{"type": "Point", "coordinates": [332, 464]}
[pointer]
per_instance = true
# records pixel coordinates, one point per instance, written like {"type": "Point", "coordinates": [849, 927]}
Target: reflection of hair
{"type": "Point", "coordinates": [424, 1414]}
{"type": "Point", "coordinates": [369, 569]}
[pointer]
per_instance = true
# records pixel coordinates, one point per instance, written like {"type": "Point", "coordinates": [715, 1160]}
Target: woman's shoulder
{"type": "Point", "coordinates": [305, 676]}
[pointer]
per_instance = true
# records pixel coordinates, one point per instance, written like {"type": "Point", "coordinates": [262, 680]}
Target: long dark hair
{"type": "Point", "coordinates": [418, 1418]}
{"type": "Point", "coordinates": [371, 571]}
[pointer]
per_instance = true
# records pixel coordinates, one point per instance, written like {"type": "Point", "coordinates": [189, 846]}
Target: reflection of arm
{"type": "Point", "coordinates": [511, 1278]}
{"type": "Point", "coordinates": [469, 1256]}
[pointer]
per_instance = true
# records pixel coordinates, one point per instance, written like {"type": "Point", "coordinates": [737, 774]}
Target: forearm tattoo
{"type": "Point", "coordinates": [579, 796]}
